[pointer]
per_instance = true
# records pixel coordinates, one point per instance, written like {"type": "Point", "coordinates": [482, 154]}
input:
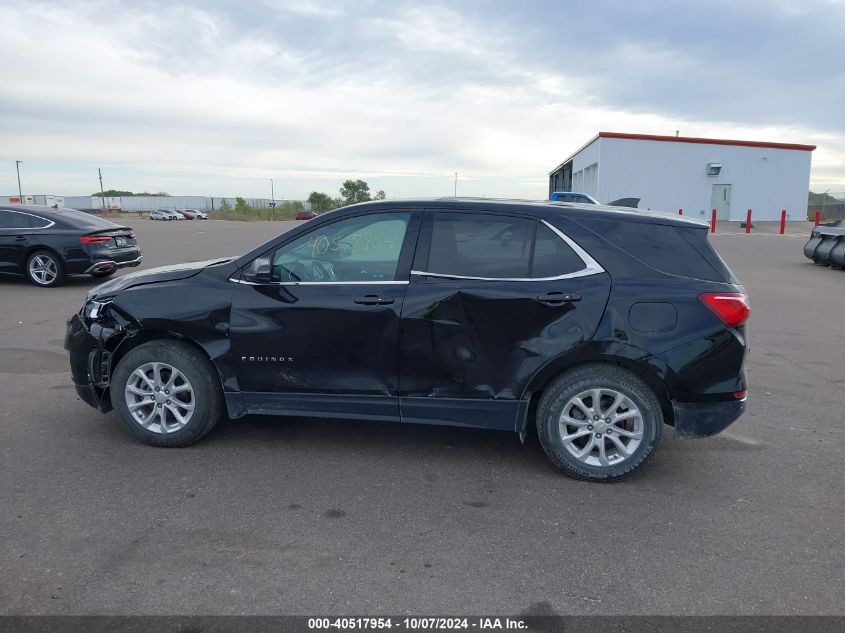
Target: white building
{"type": "Point", "coordinates": [669, 173]}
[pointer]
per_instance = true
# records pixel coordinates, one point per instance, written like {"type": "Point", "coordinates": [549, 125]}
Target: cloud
{"type": "Point", "coordinates": [217, 97]}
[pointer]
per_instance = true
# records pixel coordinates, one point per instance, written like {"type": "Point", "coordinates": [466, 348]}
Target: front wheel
{"type": "Point", "coordinates": [167, 393]}
{"type": "Point", "coordinates": [599, 423]}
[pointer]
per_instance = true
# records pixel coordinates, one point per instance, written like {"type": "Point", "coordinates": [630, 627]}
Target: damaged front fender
{"type": "Point", "coordinates": [91, 343]}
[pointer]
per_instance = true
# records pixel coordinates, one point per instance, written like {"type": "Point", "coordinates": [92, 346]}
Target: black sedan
{"type": "Point", "coordinates": [46, 244]}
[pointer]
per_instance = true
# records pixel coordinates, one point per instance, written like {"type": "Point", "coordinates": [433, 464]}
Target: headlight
{"type": "Point", "coordinates": [94, 308]}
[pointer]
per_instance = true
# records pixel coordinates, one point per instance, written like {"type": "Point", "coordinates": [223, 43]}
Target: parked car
{"type": "Point", "coordinates": [572, 196]}
{"type": "Point", "coordinates": [193, 214]}
{"type": "Point", "coordinates": [164, 214]}
{"type": "Point", "coordinates": [178, 215]}
{"type": "Point", "coordinates": [47, 244]}
{"type": "Point", "coordinates": [599, 326]}
{"type": "Point", "coordinates": [305, 215]}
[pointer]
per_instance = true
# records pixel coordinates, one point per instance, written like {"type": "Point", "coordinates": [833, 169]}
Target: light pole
{"type": "Point", "coordinates": [102, 195]}
{"type": "Point", "coordinates": [456, 184]}
{"type": "Point", "coordinates": [272, 194]}
{"type": "Point", "coordinates": [824, 200]}
{"type": "Point", "coordinates": [18, 169]}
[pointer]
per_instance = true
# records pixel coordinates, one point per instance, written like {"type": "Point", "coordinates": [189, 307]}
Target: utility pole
{"type": "Point", "coordinates": [18, 169]}
{"type": "Point", "coordinates": [272, 194]}
{"type": "Point", "coordinates": [456, 184]}
{"type": "Point", "coordinates": [102, 195]}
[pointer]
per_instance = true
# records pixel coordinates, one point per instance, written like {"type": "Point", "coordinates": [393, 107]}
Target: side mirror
{"type": "Point", "coordinates": [259, 271]}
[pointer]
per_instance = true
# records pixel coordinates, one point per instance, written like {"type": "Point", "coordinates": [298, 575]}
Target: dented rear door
{"type": "Point", "coordinates": [468, 347]}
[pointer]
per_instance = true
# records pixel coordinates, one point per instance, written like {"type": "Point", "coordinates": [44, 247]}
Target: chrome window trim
{"type": "Point", "coordinates": [591, 266]}
{"type": "Point", "coordinates": [318, 283]}
{"type": "Point", "coordinates": [27, 228]}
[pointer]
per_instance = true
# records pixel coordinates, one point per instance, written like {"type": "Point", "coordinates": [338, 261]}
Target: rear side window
{"type": "Point", "coordinates": [12, 220]}
{"type": "Point", "coordinates": [479, 245]}
{"type": "Point", "coordinates": [669, 249]}
{"type": "Point", "coordinates": [37, 222]}
{"type": "Point", "coordinates": [498, 247]}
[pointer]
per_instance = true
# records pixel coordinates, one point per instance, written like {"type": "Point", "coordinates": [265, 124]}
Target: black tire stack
{"type": "Point", "coordinates": [826, 246]}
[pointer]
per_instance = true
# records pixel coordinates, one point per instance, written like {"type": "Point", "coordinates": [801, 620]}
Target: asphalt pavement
{"type": "Point", "coordinates": [302, 516]}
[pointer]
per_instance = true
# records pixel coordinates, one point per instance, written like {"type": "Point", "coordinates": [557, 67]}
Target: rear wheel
{"type": "Point", "coordinates": [44, 268]}
{"type": "Point", "coordinates": [167, 393]}
{"type": "Point", "coordinates": [599, 423]}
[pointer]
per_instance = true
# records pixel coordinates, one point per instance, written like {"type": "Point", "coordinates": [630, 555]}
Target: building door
{"type": "Point", "coordinates": [721, 201]}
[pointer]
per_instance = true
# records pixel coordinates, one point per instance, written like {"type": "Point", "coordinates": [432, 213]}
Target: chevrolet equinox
{"type": "Point", "coordinates": [597, 324]}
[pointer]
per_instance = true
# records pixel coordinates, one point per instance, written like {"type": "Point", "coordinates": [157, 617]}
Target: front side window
{"type": "Point", "coordinates": [363, 248]}
{"type": "Point", "coordinates": [498, 247]}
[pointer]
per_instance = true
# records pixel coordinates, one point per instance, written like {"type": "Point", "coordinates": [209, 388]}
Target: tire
{"type": "Point", "coordinates": [105, 273]}
{"type": "Point", "coordinates": [638, 409]}
{"type": "Point", "coordinates": [194, 369]}
{"type": "Point", "coordinates": [45, 269]}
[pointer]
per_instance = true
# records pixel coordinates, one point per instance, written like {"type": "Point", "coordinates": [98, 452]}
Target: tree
{"type": "Point", "coordinates": [241, 205]}
{"type": "Point", "coordinates": [113, 193]}
{"type": "Point", "coordinates": [224, 206]}
{"type": "Point", "coordinates": [320, 202]}
{"type": "Point", "coordinates": [354, 191]}
{"type": "Point", "coordinates": [116, 193]}
{"type": "Point", "coordinates": [380, 195]}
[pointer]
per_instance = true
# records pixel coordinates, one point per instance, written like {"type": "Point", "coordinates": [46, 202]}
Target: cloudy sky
{"type": "Point", "coordinates": [218, 97]}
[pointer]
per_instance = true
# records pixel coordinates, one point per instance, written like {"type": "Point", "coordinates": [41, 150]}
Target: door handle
{"type": "Point", "coordinates": [374, 300]}
{"type": "Point", "coordinates": [558, 298]}
{"type": "Point", "coordinates": [20, 238]}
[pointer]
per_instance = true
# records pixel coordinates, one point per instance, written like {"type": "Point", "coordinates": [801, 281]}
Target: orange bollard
{"type": "Point", "coordinates": [713, 222]}
{"type": "Point", "coordinates": [680, 211]}
{"type": "Point", "coordinates": [748, 222]}
{"type": "Point", "coordinates": [783, 222]}
{"type": "Point", "coordinates": [818, 217]}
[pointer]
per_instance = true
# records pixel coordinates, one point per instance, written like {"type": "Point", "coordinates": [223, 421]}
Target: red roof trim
{"type": "Point", "coordinates": [705, 141]}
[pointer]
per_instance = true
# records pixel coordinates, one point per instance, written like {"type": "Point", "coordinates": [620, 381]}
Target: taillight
{"type": "Point", "coordinates": [131, 236]}
{"type": "Point", "coordinates": [731, 307]}
{"type": "Point", "coordinates": [739, 395]}
{"type": "Point", "coordinates": [94, 239]}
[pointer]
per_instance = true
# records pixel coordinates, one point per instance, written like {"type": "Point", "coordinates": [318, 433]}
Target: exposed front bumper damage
{"type": "Point", "coordinates": [90, 345]}
{"type": "Point", "coordinates": [703, 419]}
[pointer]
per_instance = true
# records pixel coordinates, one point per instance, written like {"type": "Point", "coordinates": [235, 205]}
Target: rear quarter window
{"type": "Point", "coordinates": [670, 249]}
{"type": "Point", "coordinates": [552, 256]}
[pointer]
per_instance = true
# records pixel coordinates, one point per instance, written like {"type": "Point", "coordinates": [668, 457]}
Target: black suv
{"type": "Point", "coordinates": [598, 324]}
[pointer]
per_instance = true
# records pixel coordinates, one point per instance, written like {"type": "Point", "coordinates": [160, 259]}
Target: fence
{"type": "Point", "coordinates": [830, 204]}
{"type": "Point", "coordinates": [143, 204]}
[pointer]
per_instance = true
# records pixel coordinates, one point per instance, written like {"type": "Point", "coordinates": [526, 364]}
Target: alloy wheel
{"type": "Point", "coordinates": [43, 269]}
{"type": "Point", "coordinates": [160, 398]}
{"type": "Point", "coordinates": [601, 427]}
